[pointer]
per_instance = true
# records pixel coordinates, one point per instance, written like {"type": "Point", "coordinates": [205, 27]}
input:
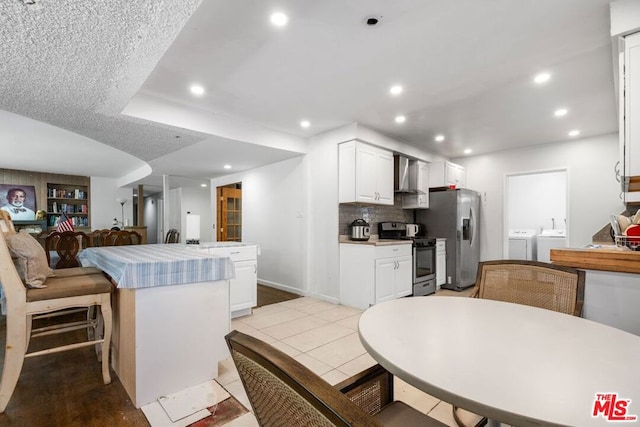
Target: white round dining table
{"type": "Point", "coordinates": [512, 363]}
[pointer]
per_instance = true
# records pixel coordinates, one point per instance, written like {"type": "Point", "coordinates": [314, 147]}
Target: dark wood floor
{"type": "Point", "coordinates": [66, 389]}
{"type": "Point", "coordinates": [268, 295]}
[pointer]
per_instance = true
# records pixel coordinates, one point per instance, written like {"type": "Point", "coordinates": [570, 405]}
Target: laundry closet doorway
{"type": "Point", "coordinates": [536, 201]}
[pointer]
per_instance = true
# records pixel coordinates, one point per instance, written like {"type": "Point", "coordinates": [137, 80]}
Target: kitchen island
{"type": "Point", "coordinates": [243, 289]}
{"type": "Point", "coordinates": [171, 313]}
{"type": "Point", "coordinates": [612, 283]}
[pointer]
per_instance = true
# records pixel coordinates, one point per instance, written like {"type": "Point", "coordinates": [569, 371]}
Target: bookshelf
{"type": "Point", "coordinates": [72, 199]}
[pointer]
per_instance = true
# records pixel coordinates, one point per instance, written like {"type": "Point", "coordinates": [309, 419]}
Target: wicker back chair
{"type": "Point", "coordinates": [537, 284]}
{"type": "Point", "coordinates": [533, 283]}
{"type": "Point", "coordinates": [284, 393]}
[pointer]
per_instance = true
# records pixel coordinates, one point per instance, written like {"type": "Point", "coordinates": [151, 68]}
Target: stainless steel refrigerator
{"type": "Point", "coordinates": [455, 215]}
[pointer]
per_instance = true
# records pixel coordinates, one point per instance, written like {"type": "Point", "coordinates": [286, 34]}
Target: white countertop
{"type": "Point", "coordinates": [373, 240]}
{"type": "Point", "coordinates": [222, 244]}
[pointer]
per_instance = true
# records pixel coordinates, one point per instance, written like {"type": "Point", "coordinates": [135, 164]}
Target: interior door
{"type": "Point", "coordinates": [229, 200]}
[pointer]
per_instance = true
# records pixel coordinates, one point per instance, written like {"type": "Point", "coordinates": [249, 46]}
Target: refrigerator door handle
{"type": "Point", "coordinates": [472, 225]}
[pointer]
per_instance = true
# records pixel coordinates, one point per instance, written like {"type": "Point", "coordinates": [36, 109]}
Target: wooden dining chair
{"type": "Point", "coordinates": [29, 292]}
{"type": "Point", "coordinates": [533, 283]}
{"type": "Point", "coordinates": [67, 245]}
{"type": "Point", "coordinates": [173, 236]}
{"type": "Point", "coordinates": [122, 238]}
{"type": "Point", "coordinates": [283, 392]}
{"type": "Point", "coordinates": [98, 236]}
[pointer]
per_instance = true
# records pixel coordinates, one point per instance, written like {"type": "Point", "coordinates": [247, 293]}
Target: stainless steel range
{"type": "Point", "coordinates": [424, 256]}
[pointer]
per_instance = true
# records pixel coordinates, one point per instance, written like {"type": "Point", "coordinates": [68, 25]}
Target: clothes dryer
{"type": "Point", "coordinates": [548, 240]}
{"type": "Point", "coordinates": [522, 244]}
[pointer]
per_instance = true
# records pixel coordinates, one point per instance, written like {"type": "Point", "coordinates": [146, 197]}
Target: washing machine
{"type": "Point", "coordinates": [522, 244]}
{"type": "Point", "coordinates": [549, 239]}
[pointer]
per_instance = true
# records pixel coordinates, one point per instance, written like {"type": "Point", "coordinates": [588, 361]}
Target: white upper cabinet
{"type": "Point", "coordinates": [445, 174]}
{"type": "Point", "coordinates": [625, 33]}
{"type": "Point", "coordinates": [630, 115]}
{"type": "Point", "coordinates": [365, 174]}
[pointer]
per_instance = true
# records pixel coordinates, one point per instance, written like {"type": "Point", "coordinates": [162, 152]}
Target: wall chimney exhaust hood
{"type": "Point", "coordinates": [401, 174]}
{"type": "Point", "coordinates": [405, 179]}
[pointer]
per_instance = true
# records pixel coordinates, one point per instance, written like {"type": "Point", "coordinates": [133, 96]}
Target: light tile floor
{"type": "Point", "coordinates": [323, 337]}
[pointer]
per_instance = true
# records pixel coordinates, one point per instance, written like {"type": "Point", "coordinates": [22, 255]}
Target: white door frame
{"type": "Point", "coordinates": [505, 204]}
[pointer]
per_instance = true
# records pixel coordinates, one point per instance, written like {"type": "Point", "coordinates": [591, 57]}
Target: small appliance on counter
{"type": "Point", "coordinates": [360, 230]}
{"type": "Point", "coordinates": [413, 230]}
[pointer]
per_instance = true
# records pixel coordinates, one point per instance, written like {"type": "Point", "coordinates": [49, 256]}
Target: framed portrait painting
{"type": "Point", "coordinates": [19, 201]}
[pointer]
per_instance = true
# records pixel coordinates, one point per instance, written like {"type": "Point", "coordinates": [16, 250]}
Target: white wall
{"type": "Point", "coordinates": [537, 200]}
{"type": "Point", "coordinates": [593, 190]}
{"type": "Point", "coordinates": [323, 256]}
{"type": "Point", "coordinates": [273, 216]}
{"type": "Point", "coordinates": [175, 211]}
{"type": "Point", "coordinates": [197, 200]}
{"type": "Point", "coordinates": [151, 210]}
{"type": "Point", "coordinates": [104, 207]}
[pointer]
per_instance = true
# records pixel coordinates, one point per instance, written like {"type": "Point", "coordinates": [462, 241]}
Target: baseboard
{"type": "Point", "coordinates": [297, 291]}
{"type": "Point", "coordinates": [326, 298]}
{"type": "Point", "coordinates": [282, 287]}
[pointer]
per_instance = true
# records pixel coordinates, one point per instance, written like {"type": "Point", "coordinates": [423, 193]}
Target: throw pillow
{"type": "Point", "coordinates": [29, 258]}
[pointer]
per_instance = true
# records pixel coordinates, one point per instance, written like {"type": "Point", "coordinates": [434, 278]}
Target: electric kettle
{"type": "Point", "coordinates": [412, 230]}
{"type": "Point", "coordinates": [360, 230]}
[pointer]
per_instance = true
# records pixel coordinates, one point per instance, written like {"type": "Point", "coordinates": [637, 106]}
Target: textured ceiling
{"type": "Point", "coordinates": [76, 64]}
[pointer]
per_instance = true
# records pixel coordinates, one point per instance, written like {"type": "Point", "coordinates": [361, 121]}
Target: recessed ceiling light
{"type": "Point", "coordinates": [560, 112]}
{"type": "Point", "coordinates": [305, 124]}
{"type": "Point", "coordinates": [400, 119]}
{"type": "Point", "coordinates": [542, 78]}
{"type": "Point", "coordinates": [197, 90]}
{"type": "Point", "coordinates": [279, 19]}
{"type": "Point", "coordinates": [395, 90]}
{"type": "Point", "coordinates": [227, 166]}
{"type": "Point", "coordinates": [203, 185]}
{"type": "Point", "coordinates": [574, 132]}
{"type": "Point", "coordinates": [439, 138]}
{"type": "Point", "coordinates": [467, 151]}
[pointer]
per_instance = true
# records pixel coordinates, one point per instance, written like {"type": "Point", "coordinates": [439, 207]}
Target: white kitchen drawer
{"type": "Point", "coordinates": [236, 253]}
{"type": "Point", "coordinates": [393, 251]}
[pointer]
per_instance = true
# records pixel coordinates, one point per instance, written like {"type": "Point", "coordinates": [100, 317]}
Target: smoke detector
{"type": "Point", "coordinates": [372, 20]}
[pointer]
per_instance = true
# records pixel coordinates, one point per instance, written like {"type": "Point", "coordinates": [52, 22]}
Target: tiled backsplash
{"type": "Point", "coordinates": [374, 214]}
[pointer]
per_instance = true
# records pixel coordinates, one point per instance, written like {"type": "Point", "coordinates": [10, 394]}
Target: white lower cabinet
{"type": "Point", "coordinates": [243, 290]}
{"type": "Point", "coordinates": [371, 274]}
